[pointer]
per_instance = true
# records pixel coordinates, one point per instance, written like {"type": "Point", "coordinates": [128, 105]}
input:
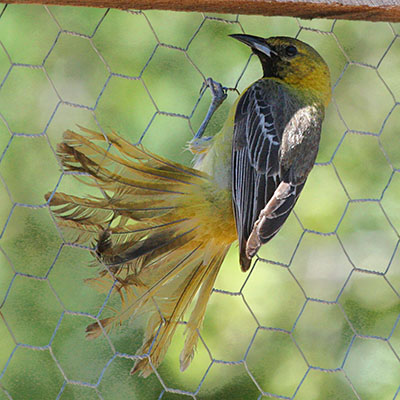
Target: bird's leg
{"type": "Point", "coordinates": [219, 94]}
{"type": "Point", "coordinates": [200, 144]}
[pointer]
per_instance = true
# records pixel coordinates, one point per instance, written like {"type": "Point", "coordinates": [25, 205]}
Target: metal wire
{"type": "Point", "coordinates": [349, 331]}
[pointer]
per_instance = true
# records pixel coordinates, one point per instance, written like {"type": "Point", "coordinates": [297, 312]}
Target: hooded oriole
{"type": "Point", "coordinates": [162, 229]}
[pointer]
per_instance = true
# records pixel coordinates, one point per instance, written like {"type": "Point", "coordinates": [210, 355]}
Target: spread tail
{"type": "Point", "coordinates": [153, 236]}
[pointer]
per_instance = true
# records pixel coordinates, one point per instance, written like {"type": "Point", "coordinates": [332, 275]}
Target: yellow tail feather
{"type": "Point", "coordinates": [154, 235]}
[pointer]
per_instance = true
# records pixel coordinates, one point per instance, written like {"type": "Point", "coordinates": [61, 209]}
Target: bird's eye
{"type": "Point", "coordinates": [291, 51]}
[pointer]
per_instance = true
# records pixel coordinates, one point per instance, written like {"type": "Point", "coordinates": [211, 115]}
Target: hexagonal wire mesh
{"type": "Point", "coordinates": [318, 315]}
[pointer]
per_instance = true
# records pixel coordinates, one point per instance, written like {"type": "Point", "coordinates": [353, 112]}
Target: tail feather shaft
{"type": "Point", "coordinates": [151, 237]}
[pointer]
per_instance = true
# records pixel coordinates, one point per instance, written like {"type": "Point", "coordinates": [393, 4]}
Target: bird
{"type": "Point", "coordinates": [160, 230]}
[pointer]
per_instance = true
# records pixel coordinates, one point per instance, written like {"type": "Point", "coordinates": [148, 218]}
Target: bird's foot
{"type": "Point", "coordinates": [199, 145]}
{"type": "Point", "coordinates": [219, 94]}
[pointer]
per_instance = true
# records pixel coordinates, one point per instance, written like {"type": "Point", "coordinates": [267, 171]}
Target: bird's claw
{"type": "Point", "coordinates": [199, 145]}
{"type": "Point", "coordinates": [219, 94]}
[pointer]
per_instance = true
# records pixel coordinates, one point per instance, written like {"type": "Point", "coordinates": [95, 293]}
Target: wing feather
{"type": "Point", "coordinates": [260, 121]}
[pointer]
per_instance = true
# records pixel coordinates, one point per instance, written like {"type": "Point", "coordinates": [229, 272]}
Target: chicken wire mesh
{"type": "Point", "coordinates": [318, 315]}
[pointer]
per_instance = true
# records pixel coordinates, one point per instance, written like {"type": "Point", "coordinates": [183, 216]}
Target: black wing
{"type": "Point", "coordinates": [256, 147]}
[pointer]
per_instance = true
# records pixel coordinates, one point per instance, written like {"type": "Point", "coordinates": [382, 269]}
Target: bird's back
{"type": "Point", "coordinates": [275, 139]}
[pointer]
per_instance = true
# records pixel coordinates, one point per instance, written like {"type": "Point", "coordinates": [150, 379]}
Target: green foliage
{"type": "Point", "coordinates": [133, 72]}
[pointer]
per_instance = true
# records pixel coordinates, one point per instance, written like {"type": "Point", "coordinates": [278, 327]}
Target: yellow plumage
{"type": "Point", "coordinates": [162, 209]}
{"type": "Point", "coordinates": [161, 230]}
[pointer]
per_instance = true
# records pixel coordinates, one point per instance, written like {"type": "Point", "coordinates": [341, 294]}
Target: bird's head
{"type": "Point", "coordinates": [291, 61]}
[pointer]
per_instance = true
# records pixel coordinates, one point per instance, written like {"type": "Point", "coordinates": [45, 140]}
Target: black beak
{"type": "Point", "coordinates": [256, 43]}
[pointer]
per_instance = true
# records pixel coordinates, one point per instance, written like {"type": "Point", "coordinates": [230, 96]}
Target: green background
{"type": "Point", "coordinates": [318, 316]}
